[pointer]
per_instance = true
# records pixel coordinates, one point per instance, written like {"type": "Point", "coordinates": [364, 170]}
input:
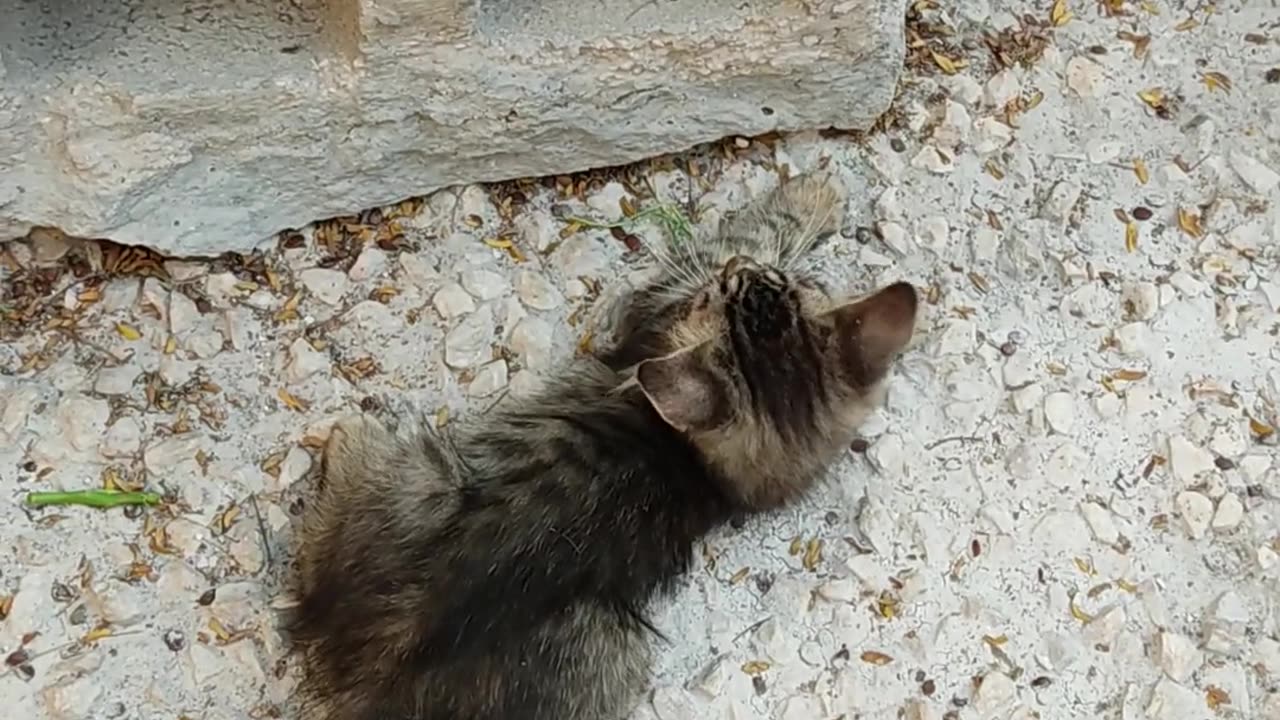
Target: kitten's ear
{"type": "Point", "coordinates": [870, 332]}
{"type": "Point", "coordinates": [684, 391]}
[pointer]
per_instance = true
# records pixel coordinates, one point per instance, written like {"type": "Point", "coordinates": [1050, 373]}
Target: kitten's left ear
{"type": "Point", "coordinates": [683, 389]}
{"type": "Point", "coordinates": [869, 333]}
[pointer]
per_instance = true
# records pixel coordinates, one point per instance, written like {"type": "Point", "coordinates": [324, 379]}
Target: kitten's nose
{"type": "Point", "coordinates": [737, 264]}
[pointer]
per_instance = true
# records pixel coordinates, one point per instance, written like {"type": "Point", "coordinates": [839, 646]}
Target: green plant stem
{"type": "Point", "coordinates": [669, 217]}
{"type": "Point", "coordinates": [92, 498]}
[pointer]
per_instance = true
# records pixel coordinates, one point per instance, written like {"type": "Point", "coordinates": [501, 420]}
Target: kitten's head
{"type": "Point", "coordinates": [770, 378]}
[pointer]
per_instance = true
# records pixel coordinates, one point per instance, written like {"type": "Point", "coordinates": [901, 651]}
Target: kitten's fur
{"type": "Point", "coordinates": [502, 572]}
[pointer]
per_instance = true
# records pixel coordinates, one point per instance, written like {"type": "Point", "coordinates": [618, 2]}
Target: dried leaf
{"type": "Point", "coordinates": [1129, 375]}
{"type": "Point", "coordinates": [1150, 7]}
{"type": "Point", "coordinates": [755, 667]}
{"type": "Point", "coordinates": [508, 246]}
{"type": "Point", "coordinates": [128, 332]}
{"type": "Point", "coordinates": [1260, 429]}
{"type": "Point", "coordinates": [1079, 614]}
{"type": "Point", "coordinates": [158, 541]}
{"type": "Point", "coordinates": [1084, 566]}
{"type": "Point", "coordinates": [228, 518]}
{"type": "Point", "coordinates": [570, 229]}
{"type": "Point", "coordinates": [628, 208]}
{"type": "Point", "coordinates": [271, 464]}
{"type": "Point", "coordinates": [812, 554]}
{"type": "Point", "coordinates": [1188, 24]}
{"type": "Point", "coordinates": [947, 65]}
{"type": "Point", "coordinates": [887, 605]}
{"type": "Point", "coordinates": [1059, 15]}
{"type": "Point", "coordinates": [995, 640]}
{"type": "Point", "coordinates": [219, 630]}
{"type": "Point", "coordinates": [993, 170]}
{"type": "Point", "coordinates": [872, 657]}
{"type": "Point", "coordinates": [739, 576]}
{"type": "Point", "coordinates": [1121, 215]}
{"type": "Point", "coordinates": [6, 606]}
{"type": "Point", "coordinates": [1153, 97]}
{"type": "Point", "coordinates": [979, 282]}
{"type": "Point", "coordinates": [1190, 223]}
{"type": "Point", "coordinates": [1140, 169]}
{"type": "Point", "coordinates": [1141, 43]}
{"type": "Point", "coordinates": [170, 345]}
{"type": "Point", "coordinates": [1215, 697]}
{"type": "Point", "coordinates": [1109, 384]}
{"type": "Point", "coordinates": [797, 546]}
{"type": "Point", "coordinates": [442, 417]}
{"type": "Point", "coordinates": [1126, 586]}
{"type": "Point", "coordinates": [96, 634]}
{"type": "Point", "coordinates": [292, 402]}
{"type": "Point", "coordinates": [289, 311]}
{"type": "Point", "coordinates": [1216, 81]}
{"type": "Point", "coordinates": [1131, 236]}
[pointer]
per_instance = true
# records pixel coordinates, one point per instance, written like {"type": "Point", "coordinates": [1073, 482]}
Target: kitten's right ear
{"type": "Point", "coordinates": [684, 391]}
{"type": "Point", "coordinates": [872, 331]}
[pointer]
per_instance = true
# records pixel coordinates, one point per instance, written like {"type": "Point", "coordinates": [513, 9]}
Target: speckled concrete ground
{"type": "Point", "coordinates": [1069, 508]}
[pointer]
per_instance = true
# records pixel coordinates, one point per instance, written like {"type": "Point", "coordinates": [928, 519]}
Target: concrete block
{"type": "Point", "coordinates": [198, 129]}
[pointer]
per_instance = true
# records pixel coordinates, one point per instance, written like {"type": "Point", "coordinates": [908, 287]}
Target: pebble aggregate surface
{"type": "Point", "coordinates": [1069, 506]}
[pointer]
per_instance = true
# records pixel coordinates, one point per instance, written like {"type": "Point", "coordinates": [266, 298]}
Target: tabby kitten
{"type": "Point", "coordinates": [502, 569]}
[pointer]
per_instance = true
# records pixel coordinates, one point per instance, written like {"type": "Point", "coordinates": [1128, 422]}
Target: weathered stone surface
{"type": "Point", "coordinates": [206, 132]}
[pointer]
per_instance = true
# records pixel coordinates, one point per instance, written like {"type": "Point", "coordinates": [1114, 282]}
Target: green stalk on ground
{"type": "Point", "coordinates": [92, 498]}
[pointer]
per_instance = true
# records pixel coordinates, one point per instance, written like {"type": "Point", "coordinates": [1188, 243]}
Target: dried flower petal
{"type": "Point", "coordinates": [1190, 223]}
{"type": "Point", "coordinates": [96, 634]}
{"type": "Point", "coordinates": [1140, 169]}
{"type": "Point", "coordinates": [1153, 97]}
{"type": "Point", "coordinates": [812, 554]}
{"type": "Point", "coordinates": [947, 65]}
{"type": "Point", "coordinates": [292, 402]}
{"type": "Point", "coordinates": [1260, 429]}
{"type": "Point", "coordinates": [1059, 14]}
{"type": "Point", "coordinates": [128, 332]}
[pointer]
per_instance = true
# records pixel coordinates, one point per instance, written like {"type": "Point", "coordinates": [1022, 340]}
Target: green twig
{"type": "Point", "coordinates": [668, 217]}
{"type": "Point", "coordinates": [92, 498]}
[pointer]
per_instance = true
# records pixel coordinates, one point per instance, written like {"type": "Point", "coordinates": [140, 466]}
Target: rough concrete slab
{"type": "Point", "coordinates": [1068, 510]}
{"type": "Point", "coordinates": [203, 130]}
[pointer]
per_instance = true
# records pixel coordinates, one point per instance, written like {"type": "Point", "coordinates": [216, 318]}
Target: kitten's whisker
{"type": "Point", "coordinates": [676, 267]}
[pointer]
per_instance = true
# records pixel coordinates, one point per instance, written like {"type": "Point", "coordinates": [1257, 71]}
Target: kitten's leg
{"type": "Point", "coordinates": [604, 664]}
{"type": "Point", "coordinates": [360, 596]}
